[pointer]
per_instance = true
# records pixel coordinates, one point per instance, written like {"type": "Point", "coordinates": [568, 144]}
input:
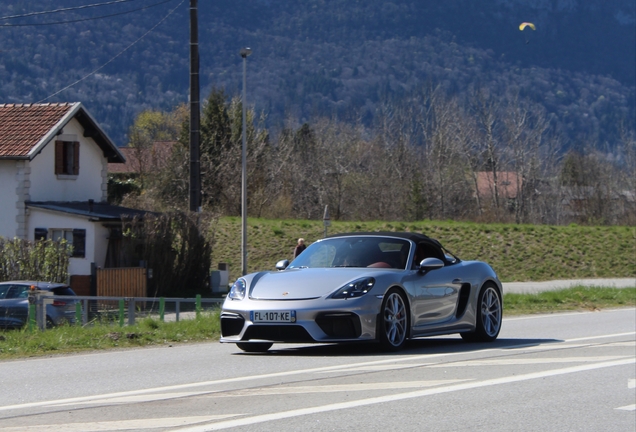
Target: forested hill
{"type": "Point", "coordinates": [325, 57]}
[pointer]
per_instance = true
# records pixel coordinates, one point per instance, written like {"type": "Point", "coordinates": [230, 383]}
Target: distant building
{"type": "Point", "coordinates": [509, 184]}
{"type": "Point", "coordinates": [144, 160]}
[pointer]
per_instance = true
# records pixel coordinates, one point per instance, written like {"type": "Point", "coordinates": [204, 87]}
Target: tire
{"type": "Point", "coordinates": [393, 321]}
{"type": "Point", "coordinates": [489, 313]}
{"type": "Point", "coordinates": [49, 322]}
{"type": "Point", "coordinates": [254, 347]}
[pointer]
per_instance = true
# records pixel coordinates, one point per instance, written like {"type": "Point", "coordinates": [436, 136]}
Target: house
{"type": "Point", "coordinates": [53, 175]}
{"type": "Point", "coordinates": [140, 161]}
{"type": "Point", "coordinates": [509, 184]}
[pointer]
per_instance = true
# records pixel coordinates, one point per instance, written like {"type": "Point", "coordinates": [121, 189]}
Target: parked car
{"type": "Point", "coordinates": [383, 287]}
{"type": "Point", "coordinates": [14, 303]}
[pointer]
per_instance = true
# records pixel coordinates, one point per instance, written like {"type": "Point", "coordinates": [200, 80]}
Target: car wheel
{"type": "Point", "coordinates": [49, 322]}
{"type": "Point", "coordinates": [393, 321]}
{"type": "Point", "coordinates": [255, 347]}
{"type": "Point", "coordinates": [489, 312]}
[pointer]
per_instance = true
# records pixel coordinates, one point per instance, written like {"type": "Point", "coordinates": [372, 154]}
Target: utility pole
{"type": "Point", "coordinates": [195, 116]}
{"type": "Point", "coordinates": [244, 53]}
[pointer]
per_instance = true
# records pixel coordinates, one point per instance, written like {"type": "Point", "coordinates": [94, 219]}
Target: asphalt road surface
{"type": "Point", "coordinates": [559, 372]}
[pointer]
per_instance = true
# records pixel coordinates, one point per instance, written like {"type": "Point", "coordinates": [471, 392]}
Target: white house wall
{"type": "Point", "coordinates": [8, 198]}
{"type": "Point", "coordinates": [90, 183]}
{"type": "Point", "coordinates": [100, 244]}
{"type": "Point", "coordinates": [96, 236]}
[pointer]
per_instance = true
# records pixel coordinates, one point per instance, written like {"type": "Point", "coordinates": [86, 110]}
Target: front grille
{"type": "Point", "coordinates": [278, 333]}
{"type": "Point", "coordinates": [231, 324]}
{"type": "Point", "coordinates": [343, 325]}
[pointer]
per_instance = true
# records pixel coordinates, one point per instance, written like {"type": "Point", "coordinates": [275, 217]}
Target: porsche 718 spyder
{"type": "Point", "coordinates": [381, 287]}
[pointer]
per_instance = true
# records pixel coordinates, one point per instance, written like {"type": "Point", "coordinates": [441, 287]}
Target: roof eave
{"type": "Point", "coordinates": [111, 151]}
{"type": "Point", "coordinates": [106, 143]}
{"type": "Point", "coordinates": [53, 132]}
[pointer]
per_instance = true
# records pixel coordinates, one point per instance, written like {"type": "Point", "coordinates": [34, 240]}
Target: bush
{"type": "Point", "coordinates": [42, 260]}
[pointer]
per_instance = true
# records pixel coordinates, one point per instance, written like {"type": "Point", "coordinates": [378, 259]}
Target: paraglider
{"type": "Point", "coordinates": [522, 27]}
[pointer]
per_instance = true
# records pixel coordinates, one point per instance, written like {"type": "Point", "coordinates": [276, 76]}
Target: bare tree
{"type": "Point", "coordinates": [485, 107]}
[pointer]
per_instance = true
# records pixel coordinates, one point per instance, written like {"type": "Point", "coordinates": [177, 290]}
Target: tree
{"type": "Point", "coordinates": [485, 107]}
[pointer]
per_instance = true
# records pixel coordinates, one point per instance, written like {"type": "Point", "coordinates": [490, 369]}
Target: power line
{"type": "Point", "coordinates": [65, 9]}
{"type": "Point", "coordinates": [86, 19]}
{"type": "Point", "coordinates": [113, 59]}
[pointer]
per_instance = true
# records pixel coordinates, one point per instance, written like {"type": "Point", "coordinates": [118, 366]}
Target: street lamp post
{"type": "Point", "coordinates": [244, 53]}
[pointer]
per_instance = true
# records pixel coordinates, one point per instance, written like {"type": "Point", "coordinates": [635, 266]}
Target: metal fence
{"type": "Point", "coordinates": [90, 310]}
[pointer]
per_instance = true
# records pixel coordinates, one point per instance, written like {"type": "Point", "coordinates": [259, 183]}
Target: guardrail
{"type": "Point", "coordinates": [121, 310]}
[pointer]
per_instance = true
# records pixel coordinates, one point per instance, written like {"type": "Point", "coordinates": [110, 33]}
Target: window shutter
{"type": "Point", "coordinates": [59, 157]}
{"type": "Point", "coordinates": [75, 158]}
{"type": "Point", "coordinates": [79, 243]}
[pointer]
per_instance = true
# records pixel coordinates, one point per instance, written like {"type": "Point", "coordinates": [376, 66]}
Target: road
{"type": "Point", "coordinates": [569, 371]}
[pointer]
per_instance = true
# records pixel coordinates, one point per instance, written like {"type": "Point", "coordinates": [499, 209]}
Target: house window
{"type": "Point", "coordinates": [40, 234]}
{"type": "Point", "coordinates": [67, 157]}
{"type": "Point", "coordinates": [75, 237]}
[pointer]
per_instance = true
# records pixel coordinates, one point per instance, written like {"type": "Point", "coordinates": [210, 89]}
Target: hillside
{"type": "Point", "coordinates": [516, 252]}
{"type": "Point", "coordinates": [326, 57]}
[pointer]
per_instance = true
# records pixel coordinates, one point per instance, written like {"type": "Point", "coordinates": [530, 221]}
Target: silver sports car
{"type": "Point", "coordinates": [382, 287]}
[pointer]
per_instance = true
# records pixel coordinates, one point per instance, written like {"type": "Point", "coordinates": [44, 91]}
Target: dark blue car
{"type": "Point", "coordinates": [14, 303]}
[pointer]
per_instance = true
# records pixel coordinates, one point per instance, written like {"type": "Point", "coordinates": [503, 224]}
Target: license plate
{"type": "Point", "coordinates": [273, 316]}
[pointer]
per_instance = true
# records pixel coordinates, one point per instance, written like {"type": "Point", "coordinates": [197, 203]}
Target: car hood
{"type": "Point", "coordinates": [300, 284]}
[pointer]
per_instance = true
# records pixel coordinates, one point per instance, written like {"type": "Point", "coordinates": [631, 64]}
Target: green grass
{"type": "Point", "coordinates": [577, 298]}
{"type": "Point", "coordinates": [517, 252]}
{"type": "Point", "coordinates": [151, 332]}
{"type": "Point", "coordinates": [68, 338]}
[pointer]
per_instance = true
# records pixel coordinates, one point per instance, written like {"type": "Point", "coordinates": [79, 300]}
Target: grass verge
{"type": "Point", "coordinates": [577, 298]}
{"type": "Point", "coordinates": [70, 339]}
{"type": "Point", "coordinates": [516, 252]}
{"type": "Point", "coordinates": [151, 332]}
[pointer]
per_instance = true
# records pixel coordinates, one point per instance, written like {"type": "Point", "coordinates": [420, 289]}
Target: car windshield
{"type": "Point", "coordinates": [379, 252]}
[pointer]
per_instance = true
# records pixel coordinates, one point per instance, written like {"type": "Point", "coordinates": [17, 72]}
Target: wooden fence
{"type": "Point", "coordinates": [122, 282]}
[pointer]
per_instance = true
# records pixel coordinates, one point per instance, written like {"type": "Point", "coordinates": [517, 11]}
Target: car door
{"type": "Point", "coordinates": [13, 304]}
{"type": "Point", "coordinates": [434, 296]}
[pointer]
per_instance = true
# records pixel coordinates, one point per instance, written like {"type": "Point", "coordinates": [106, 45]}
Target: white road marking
{"type": "Point", "coordinates": [135, 399]}
{"type": "Point", "coordinates": [631, 383]}
{"type": "Point", "coordinates": [410, 395]}
{"type": "Point", "coordinates": [376, 368]}
{"type": "Point", "coordinates": [118, 425]}
{"type": "Point", "coordinates": [627, 408]}
{"type": "Point", "coordinates": [393, 385]}
{"type": "Point", "coordinates": [527, 361]}
{"type": "Point", "coordinates": [618, 344]}
{"type": "Point", "coordinates": [392, 359]}
{"type": "Point", "coordinates": [600, 337]}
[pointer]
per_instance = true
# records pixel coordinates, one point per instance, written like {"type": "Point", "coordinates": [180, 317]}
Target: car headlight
{"type": "Point", "coordinates": [356, 288]}
{"type": "Point", "coordinates": [237, 292]}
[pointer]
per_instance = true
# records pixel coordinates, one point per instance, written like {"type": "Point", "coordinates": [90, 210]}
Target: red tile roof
{"type": "Point", "coordinates": [508, 184]}
{"type": "Point", "coordinates": [22, 126]}
{"type": "Point", "coordinates": [152, 159]}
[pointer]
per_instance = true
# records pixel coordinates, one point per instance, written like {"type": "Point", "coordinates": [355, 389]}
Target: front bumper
{"type": "Point", "coordinates": [343, 321]}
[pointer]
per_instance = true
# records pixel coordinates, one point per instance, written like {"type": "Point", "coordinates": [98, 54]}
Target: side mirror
{"type": "Point", "coordinates": [429, 264]}
{"type": "Point", "coordinates": [282, 264]}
